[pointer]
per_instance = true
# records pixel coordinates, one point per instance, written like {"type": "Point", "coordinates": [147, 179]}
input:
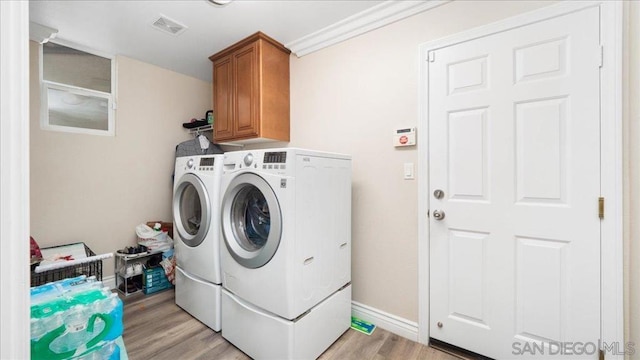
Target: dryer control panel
{"type": "Point", "coordinates": [267, 160]}
{"type": "Point", "coordinates": [272, 157]}
{"type": "Point", "coordinates": [275, 160]}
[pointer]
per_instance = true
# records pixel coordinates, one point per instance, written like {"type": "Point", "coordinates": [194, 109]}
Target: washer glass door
{"type": "Point", "coordinates": [251, 222]}
{"type": "Point", "coordinates": [191, 210]}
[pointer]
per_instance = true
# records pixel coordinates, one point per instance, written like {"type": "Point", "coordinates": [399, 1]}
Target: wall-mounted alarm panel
{"type": "Point", "coordinates": [404, 137]}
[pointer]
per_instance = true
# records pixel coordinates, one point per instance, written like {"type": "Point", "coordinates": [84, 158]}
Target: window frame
{"type": "Point", "coordinates": [45, 85]}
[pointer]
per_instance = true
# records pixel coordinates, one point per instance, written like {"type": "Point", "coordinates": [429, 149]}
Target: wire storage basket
{"type": "Point", "coordinates": [88, 268]}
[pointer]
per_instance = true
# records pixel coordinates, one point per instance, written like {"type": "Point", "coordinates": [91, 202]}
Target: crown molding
{"type": "Point", "coordinates": [373, 18]}
{"type": "Point", "coordinates": [40, 33]}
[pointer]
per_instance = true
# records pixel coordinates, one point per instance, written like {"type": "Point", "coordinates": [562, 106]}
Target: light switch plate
{"type": "Point", "coordinates": [409, 173]}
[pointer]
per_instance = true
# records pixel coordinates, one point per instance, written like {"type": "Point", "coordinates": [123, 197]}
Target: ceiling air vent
{"type": "Point", "coordinates": [168, 25]}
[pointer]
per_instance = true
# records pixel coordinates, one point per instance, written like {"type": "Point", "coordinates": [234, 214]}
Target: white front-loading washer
{"type": "Point", "coordinates": [196, 214]}
{"type": "Point", "coordinates": [286, 224]}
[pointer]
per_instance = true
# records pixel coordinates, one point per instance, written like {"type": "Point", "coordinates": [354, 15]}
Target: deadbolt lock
{"type": "Point", "coordinates": [439, 324]}
{"type": "Point", "coordinates": [438, 194]}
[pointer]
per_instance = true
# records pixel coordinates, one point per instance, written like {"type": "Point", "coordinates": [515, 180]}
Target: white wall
{"type": "Point", "coordinates": [96, 189]}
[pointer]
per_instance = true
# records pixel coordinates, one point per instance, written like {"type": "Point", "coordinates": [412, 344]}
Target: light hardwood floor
{"type": "Point", "coordinates": [155, 328]}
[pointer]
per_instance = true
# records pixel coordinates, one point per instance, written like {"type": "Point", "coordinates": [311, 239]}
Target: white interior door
{"type": "Point", "coordinates": [514, 144]}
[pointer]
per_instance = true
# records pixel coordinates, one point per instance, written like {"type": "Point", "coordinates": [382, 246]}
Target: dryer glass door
{"type": "Point", "coordinates": [252, 223]}
{"type": "Point", "coordinates": [191, 210]}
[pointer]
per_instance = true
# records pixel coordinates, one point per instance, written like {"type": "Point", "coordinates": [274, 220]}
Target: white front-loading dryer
{"type": "Point", "coordinates": [286, 223]}
{"type": "Point", "coordinates": [286, 258]}
{"type": "Point", "coordinates": [196, 214]}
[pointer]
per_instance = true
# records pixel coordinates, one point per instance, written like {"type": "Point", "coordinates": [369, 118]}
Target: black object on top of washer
{"type": "Point", "coordinates": [195, 123]}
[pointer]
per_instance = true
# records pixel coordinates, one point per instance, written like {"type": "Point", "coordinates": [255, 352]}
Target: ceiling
{"type": "Point", "coordinates": [124, 27]}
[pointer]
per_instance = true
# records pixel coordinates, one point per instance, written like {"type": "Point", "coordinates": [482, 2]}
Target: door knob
{"type": "Point", "coordinates": [438, 214]}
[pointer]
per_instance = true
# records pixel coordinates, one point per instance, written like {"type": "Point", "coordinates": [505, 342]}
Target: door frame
{"type": "Point", "coordinates": [14, 178]}
{"type": "Point", "coordinates": [611, 170]}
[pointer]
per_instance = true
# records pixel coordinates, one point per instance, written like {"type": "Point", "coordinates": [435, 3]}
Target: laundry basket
{"type": "Point", "coordinates": [85, 262]}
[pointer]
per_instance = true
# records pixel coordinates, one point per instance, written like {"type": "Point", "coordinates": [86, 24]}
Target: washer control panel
{"type": "Point", "coordinates": [206, 163]}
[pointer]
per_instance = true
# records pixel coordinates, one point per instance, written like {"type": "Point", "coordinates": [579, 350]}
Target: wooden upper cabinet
{"type": "Point", "coordinates": [222, 100]}
{"type": "Point", "coordinates": [251, 91]}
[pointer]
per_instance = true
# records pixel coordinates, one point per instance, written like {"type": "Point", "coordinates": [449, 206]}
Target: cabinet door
{"type": "Point", "coordinates": [223, 99]}
{"type": "Point", "coordinates": [247, 91]}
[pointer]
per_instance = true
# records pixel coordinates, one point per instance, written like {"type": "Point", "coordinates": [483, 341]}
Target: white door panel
{"type": "Point", "coordinates": [514, 144]}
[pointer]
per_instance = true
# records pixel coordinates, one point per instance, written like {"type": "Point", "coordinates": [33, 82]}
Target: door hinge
{"type": "Point", "coordinates": [601, 355]}
{"type": "Point", "coordinates": [432, 56]}
{"type": "Point", "coordinates": [601, 55]}
{"type": "Point", "coordinates": [601, 207]}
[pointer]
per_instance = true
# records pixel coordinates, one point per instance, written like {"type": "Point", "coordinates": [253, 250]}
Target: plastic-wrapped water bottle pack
{"type": "Point", "coordinates": [76, 318]}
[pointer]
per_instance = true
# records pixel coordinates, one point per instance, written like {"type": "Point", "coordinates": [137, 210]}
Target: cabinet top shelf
{"type": "Point", "coordinates": [257, 36]}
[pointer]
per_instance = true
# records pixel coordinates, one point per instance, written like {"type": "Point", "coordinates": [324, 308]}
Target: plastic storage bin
{"type": "Point", "coordinates": [154, 280]}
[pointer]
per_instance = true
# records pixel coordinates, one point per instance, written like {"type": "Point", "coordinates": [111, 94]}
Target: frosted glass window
{"type": "Point", "coordinates": [77, 91]}
{"type": "Point", "coordinates": [76, 110]}
{"type": "Point", "coordinates": [65, 65]}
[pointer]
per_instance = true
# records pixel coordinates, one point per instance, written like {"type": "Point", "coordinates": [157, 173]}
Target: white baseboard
{"type": "Point", "coordinates": [109, 281]}
{"type": "Point", "coordinates": [392, 323]}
